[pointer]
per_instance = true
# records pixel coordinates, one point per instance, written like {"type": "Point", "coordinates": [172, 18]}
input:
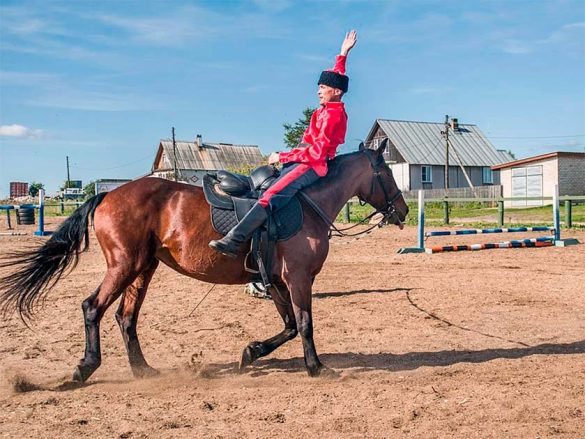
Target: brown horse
{"type": "Point", "coordinates": [152, 220]}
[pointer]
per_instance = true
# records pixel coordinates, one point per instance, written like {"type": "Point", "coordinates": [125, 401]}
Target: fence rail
{"type": "Point", "coordinates": [567, 200]}
{"type": "Point", "coordinates": [459, 192]}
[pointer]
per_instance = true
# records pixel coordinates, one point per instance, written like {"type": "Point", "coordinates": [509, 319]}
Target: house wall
{"type": "Point", "coordinates": [189, 176]}
{"type": "Point", "coordinates": [571, 175]}
{"type": "Point", "coordinates": [550, 177]}
{"type": "Point", "coordinates": [456, 177]}
{"type": "Point", "coordinates": [401, 172]}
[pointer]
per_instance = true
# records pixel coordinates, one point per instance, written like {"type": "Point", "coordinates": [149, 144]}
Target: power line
{"type": "Point", "coordinates": [115, 167]}
{"type": "Point", "coordinates": [536, 137]}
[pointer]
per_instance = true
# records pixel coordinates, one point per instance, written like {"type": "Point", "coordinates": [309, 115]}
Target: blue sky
{"type": "Point", "coordinates": [104, 81]}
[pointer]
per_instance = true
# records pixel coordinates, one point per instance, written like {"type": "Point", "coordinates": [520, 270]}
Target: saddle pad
{"type": "Point", "coordinates": [288, 220]}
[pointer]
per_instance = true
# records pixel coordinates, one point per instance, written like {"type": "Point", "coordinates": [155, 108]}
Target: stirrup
{"type": "Point", "coordinates": [224, 249]}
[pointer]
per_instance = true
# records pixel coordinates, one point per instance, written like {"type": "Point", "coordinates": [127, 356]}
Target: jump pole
{"type": "Point", "coordinates": [420, 229]}
{"type": "Point", "coordinates": [543, 241]}
{"type": "Point", "coordinates": [41, 230]}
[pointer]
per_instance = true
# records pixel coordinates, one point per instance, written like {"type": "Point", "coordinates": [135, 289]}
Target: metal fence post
{"type": "Point", "coordinates": [568, 214]}
{"type": "Point", "coordinates": [446, 212]}
{"type": "Point", "coordinates": [500, 213]}
{"type": "Point", "coordinates": [346, 213]}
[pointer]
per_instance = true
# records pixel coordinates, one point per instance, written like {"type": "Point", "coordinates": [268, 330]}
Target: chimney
{"type": "Point", "coordinates": [454, 124]}
{"type": "Point", "coordinates": [199, 142]}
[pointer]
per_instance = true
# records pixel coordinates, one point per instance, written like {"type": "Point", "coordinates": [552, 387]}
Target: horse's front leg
{"type": "Point", "coordinates": [257, 349]}
{"type": "Point", "coordinates": [300, 289]}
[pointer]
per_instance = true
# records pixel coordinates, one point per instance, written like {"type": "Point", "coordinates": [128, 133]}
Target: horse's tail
{"type": "Point", "coordinates": [40, 269]}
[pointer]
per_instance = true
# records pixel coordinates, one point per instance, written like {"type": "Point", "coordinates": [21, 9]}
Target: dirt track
{"type": "Point", "coordinates": [482, 344]}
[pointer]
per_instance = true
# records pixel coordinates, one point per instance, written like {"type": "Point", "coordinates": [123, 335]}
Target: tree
{"type": "Point", "coordinates": [293, 133]}
{"type": "Point", "coordinates": [244, 169]}
{"type": "Point", "coordinates": [89, 189]}
{"type": "Point", "coordinates": [34, 187]}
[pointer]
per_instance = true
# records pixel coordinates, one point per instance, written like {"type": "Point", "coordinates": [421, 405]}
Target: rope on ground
{"type": "Point", "coordinates": [206, 294]}
{"type": "Point", "coordinates": [448, 323]}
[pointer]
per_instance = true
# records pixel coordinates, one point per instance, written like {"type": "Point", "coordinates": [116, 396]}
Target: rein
{"type": "Point", "coordinates": [388, 212]}
{"type": "Point", "coordinates": [333, 228]}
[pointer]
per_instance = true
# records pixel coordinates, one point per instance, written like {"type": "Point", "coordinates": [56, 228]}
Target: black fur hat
{"type": "Point", "coordinates": [334, 79]}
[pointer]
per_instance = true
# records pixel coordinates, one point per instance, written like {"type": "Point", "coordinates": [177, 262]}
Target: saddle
{"type": "Point", "coordinates": [230, 196]}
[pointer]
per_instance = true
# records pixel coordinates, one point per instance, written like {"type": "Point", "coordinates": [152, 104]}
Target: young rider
{"type": "Point", "coordinates": [306, 163]}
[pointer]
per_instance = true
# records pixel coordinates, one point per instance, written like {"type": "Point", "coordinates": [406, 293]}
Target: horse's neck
{"type": "Point", "coordinates": [331, 195]}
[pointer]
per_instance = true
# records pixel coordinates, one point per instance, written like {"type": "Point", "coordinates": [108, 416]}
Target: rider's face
{"type": "Point", "coordinates": [328, 94]}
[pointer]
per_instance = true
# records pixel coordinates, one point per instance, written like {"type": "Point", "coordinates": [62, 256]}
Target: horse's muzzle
{"type": "Point", "coordinates": [394, 216]}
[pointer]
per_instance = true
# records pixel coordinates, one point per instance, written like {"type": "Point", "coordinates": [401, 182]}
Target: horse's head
{"type": "Point", "coordinates": [381, 190]}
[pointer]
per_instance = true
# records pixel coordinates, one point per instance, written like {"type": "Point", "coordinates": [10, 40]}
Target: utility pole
{"type": "Point", "coordinates": [174, 155]}
{"type": "Point", "coordinates": [446, 135]}
{"type": "Point", "coordinates": [68, 177]}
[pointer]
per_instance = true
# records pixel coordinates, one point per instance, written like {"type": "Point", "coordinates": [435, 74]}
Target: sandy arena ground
{"type": "Point", "coordinates": [488, 344]}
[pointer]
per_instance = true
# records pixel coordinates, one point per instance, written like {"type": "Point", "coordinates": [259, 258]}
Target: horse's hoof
{"type": "Point", "coordinates": [252, 352]}
{"type": "Point", "coordinates": [79, 376]}
{"type": "Point", "coordinates": [145, 372]}
{"type": "Point", "coordinates": [323, 372]}
{"type": "Point", "coordinates": [246, 360]}
{"type": "Point", "coordinates": [328, 373]}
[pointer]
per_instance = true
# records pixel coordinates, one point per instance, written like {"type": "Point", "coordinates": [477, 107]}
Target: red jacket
{"type": "Point", "coordinates": [325, 133]}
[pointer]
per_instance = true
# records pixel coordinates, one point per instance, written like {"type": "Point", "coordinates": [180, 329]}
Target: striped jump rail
{"type": "Point", "coordinates": [493, 230]}
{"type": "Point", "coordinates": [544, 241]}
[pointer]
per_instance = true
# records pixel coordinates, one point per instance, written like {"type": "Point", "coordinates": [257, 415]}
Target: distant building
{"type": "Point", "coordinates": [416, 154]}
{"type": "Point", "coordinates": [194, 159]}
{"type": "Point", "coordinates": [72, 193]}
{"type": "Point", "coordinates": [18, 189]}
{"type": "Point", "coordinates": [536, 177]}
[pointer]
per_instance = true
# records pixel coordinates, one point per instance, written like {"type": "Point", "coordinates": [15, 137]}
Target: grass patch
{"type": "Point", "coordinates": [475, 214]}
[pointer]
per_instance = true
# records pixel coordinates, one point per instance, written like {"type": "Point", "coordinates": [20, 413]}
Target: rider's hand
{"type": "Point", "coordinates": [348, 42]}
{"type": "Point", "coordinates": [273, 158]}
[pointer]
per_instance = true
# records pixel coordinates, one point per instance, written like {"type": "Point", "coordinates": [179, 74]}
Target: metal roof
{"type": "Point", "coordinates": [209, 157]}
{"type": "Point", "coordinates": [421, 143]}
{"type": "Point", "coordinates": [546, 156]}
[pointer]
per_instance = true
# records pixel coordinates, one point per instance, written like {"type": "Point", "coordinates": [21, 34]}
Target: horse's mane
{"type": "Point", "coordinates": [335, 166]}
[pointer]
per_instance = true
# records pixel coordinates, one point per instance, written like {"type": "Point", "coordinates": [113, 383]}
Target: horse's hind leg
{"type": "Point", "coordinates": [94, 307]}
{"type": "Point", "coordinates": [257, 349]}
{"type": "Point", "coordinates": [127, 318]}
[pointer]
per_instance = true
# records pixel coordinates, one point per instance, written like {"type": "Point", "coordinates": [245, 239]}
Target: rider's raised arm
{"type": "Point", "coordinates": [346, 46]}
{"type": "Point", "coordinates": [348, 43]}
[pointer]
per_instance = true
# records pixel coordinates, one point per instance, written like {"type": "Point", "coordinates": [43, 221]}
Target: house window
{"type": "Point", "coordinates": [427, 174]}
{"type": "Point", "coordinates": [488, 176]}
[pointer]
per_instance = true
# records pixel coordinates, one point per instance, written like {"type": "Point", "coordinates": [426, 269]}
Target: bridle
{"type": "Point", "coordinates": [389, 210]}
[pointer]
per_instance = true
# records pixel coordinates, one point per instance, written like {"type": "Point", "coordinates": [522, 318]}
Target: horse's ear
{"type": "Point", "coordinates": [361, 147]}
{"type": "Point", "coordinates": [382, 146]}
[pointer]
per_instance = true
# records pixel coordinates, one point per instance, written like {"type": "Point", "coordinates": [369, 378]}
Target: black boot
{"type": "Point", "coordinates": [230, 244]}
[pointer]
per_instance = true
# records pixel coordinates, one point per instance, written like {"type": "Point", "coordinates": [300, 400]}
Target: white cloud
{"type": "Point", "coordinates": [191, 24]}
{"type": "Point", "coordinates": [71, 98]}
{"type": "Point", "coordinates": [20, 131]}
{"type": "Point", "coordinates": [569, 36]}
{"type": "Point", "coordinates": [516, 47]}
{"type": "Point", "coordinates": [314, 58]}
{"type": "Point", "coordinates": [430, 90]}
